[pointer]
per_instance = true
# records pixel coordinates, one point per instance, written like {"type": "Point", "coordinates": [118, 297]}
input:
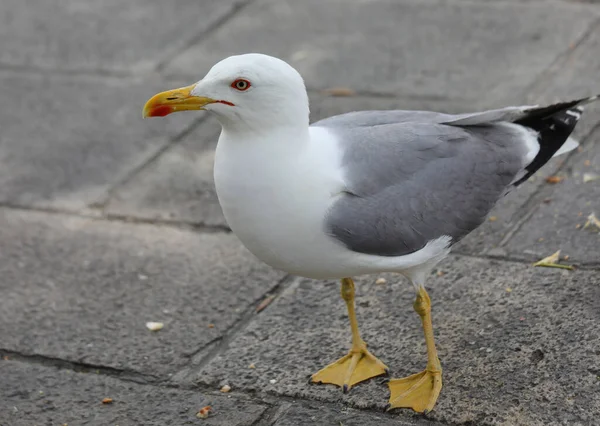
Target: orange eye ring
{"type": "Point", "coordinates": [241, 84]}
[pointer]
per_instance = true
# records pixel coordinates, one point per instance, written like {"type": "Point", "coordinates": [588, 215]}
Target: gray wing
{"type": "Point", "coordinates": [377, 118]}
{"type": "Point", "coordinates": [409, 183]}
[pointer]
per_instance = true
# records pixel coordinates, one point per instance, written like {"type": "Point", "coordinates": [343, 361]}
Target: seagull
{"type": "Point", "coordinates": [364, 192]}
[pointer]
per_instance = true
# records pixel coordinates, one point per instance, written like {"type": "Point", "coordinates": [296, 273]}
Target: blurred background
{"type": "Point", "coordinates": [108, 220]}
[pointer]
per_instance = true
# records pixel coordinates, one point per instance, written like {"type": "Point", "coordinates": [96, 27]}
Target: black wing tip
{"type": "Point", "coordinates": [554, 124]}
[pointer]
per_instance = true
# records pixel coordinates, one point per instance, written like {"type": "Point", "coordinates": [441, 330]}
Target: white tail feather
{"type": "Point", "coordinates": [569, 145]}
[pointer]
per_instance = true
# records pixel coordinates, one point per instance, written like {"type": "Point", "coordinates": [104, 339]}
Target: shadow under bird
{"type": "Point", "coordinates": [364, 192]}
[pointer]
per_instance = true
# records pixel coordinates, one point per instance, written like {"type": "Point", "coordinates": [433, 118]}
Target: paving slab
{"type": "Point", "coordinates": [105, 35]}
{"type": "Point", "coordinates": [179, 186]}
{"type": "Point", "coordinates": [82, 290]}
{"type": "Point", "coordinates": [36, 395]}
{"type": "Point", "coordinates": [574, 76]}
{"type": "Point", "coordinates": [66, 140]}
{"type": "Point", "coordinates": [554, 224]}
{"type": "Point", "coordinates": [421, 48]}
{"type": "Point", "coordinates": [519, 344]}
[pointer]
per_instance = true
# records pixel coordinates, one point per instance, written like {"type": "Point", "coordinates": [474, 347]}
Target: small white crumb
{"type": "Point", "coordinates": [225, 388]}
{"type": "Point", "coordinates": [142, 277]}
{"type": "Point", "coordinates": [252, 366]}
{"type": "Point", "coordinates": [488, 350]}
{"type": "Point", "coordinates": [272, 381]}
{"type": "Point", "coordinates": [380, 281]}
{"type": "Point", "coordinates": [154, 326]}
{"type": "Point", "coordinates": [590, 177]}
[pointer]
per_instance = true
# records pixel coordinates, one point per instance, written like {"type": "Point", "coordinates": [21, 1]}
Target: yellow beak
{"type": "Point", "coordinates": [175, 100]}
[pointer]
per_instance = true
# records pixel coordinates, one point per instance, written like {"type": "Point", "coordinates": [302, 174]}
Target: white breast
{"type": "Point", "coordinates": [275, 194]}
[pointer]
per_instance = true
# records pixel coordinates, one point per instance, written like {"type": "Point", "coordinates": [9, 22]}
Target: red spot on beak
{"type": "Point", "coordinates": [225, 102]}
{"type": "Point", "coordinates": [160, 111]}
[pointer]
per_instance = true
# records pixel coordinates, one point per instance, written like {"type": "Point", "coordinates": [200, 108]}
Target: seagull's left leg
{"type": "Point", "coordinates": [359, 364]}
{"type": "Point", "coordinates": [420, 391]}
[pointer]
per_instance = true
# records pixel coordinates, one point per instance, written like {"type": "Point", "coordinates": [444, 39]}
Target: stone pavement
{"type": "Point", "coordinates": [108, 221]}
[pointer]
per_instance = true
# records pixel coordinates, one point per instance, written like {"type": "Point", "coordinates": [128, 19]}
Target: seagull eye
{"type": "Point", "coordinates": [241, 84]}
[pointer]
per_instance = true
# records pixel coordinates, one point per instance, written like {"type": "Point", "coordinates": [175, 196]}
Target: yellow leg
{"type": "Point", "coordinates": [420, 391]}
{"type": "Point", "coordinates": [359, 364]}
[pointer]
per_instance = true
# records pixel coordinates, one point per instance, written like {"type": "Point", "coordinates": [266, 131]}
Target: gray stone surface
{"type": "Point", "coordinates": [179, 185]}
{"type": "Point", "coordinates": [574, 76]}
{"type": "Point", "coordinates": [523, 356]}
{"type": "Point", "coordinates": [432, 49]}
{"type": "Point", "coordinates": [104, 35]}
{"type": "Point", "coordinates": [318, 415]}
{"type": "Point", "coordinates": [66, 140]}
{"type": "Point", "coordinates": [554, 224]}
{"type": "Point", "coordinates": [83, 290]}
{"type": "Point", "coordinates": [560, 223]}
{"type": "Point", "coordinates": [35, 395]}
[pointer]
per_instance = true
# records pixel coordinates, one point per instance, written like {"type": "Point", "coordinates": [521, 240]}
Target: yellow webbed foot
{"type": "Point", "coordinates": [351, 369]}
{"type": "Point", "coordinates": [419, 391]}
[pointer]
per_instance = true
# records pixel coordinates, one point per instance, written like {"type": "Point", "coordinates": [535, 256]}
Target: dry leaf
{"type": "Point", "coordinates": [590, 177]}
{"type": "Point", "coordinates": [204, 412]}
{"type": "Point", "coordinates": [493, 218]}
{"type": "Point", "coordinates": [211, 326]}
{"type": "Point", "coordinates": [508, 289]}
{"type": "Point", "coordinates": [552, 262]}
{"type": "Point", "coordinates": [592, 222]}
{"type": "Point", "coordinates": [252, 366]}
{"type": "Point", "coordinates": [266, 302]}
{"type": "Point", "coordinates": [339, 91]}
{"type": "Point", "coordinates": [154, 326]}
{"type": "Point", "coordinates": [107, 401]}
{"type": "Point", "coordinates": [554, 179]}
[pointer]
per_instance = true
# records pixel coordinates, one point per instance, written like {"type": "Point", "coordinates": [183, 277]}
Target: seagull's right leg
{"type": "Point", "coordinates": [420, 391]}
{"type": "Point", "coordinates": [359, 364]}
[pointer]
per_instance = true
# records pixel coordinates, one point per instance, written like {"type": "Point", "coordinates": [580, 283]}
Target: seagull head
{"type": "Point", "coordinates": [244, 92]}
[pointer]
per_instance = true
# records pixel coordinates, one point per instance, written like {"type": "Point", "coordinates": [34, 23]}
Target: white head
{"type": "Point", "coordinates": [247, 93]}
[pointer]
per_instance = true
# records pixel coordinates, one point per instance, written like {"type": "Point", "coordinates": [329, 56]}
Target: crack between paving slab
{"type": "Point", "coordinates": [592, 266]}
{"type": "Point", "coordinates": [540, 84]}
{"type": "Point", "coordinates": [91, 72]}
{"type": "Point", "coordinates": [277, 405]}
{"type": "Point", "coordinates": [270, 416]}
{"type": "Point", "coordinates": [80, 367]}
{"type": "Point", "coordinates": [171, 143]}
{"type": "Point", "coordinates": [222, 343]}
{"type": "Point", "coordinates": [235, 9]}
{"type": "Point", "coordinates": [124, 219]}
